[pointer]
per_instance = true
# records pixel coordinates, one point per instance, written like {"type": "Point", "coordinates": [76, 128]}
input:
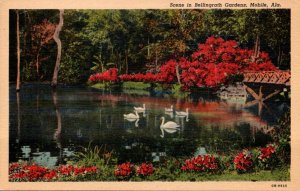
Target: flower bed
{"type": "Point", "coordinates": [243, 162]}
{"type": "Point", "coordinates": [31, 172]}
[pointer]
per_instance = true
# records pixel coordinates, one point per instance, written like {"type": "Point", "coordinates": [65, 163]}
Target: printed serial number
{"type": "Point", "coordinates": [279, 185]}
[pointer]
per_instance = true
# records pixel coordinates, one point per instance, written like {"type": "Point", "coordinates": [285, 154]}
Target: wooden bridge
{"type": "Point", "coordinates": [264, 85]}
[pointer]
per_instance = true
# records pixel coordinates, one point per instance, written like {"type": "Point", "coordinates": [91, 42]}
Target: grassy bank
{"type": "Point", "coordinates": [142, 88]}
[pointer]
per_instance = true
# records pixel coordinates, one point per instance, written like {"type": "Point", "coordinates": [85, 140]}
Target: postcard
{"type": "Point", "coordinates": [149, 95]}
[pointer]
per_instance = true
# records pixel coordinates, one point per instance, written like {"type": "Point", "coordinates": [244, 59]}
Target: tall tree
{"type": "Point", "coordinates": [42, 34]}
{"type": "Point", "coordinates": [58, 42]}
{"type": "Point", "coordinates": [18, 52]}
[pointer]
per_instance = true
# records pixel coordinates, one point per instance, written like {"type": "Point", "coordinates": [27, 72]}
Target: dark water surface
{"type": "Point", "coordinates": [48, 127]}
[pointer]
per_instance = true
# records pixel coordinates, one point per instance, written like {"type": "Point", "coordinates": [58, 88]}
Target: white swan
{"type": "Point", "coordinates": [132, 116]}
{"type": "Point", "coordinates": [168, 131]}
{"type": "Point", "coordinates": [171, 114]}
{"type": "Point", "coordinates": [140, 109]}
{"type": "Point", "coordinates": [169, 124]}
{"type": "Point", "coordinates": [169, 109]}
{"type": "Point", "coordinates": [182, 113]}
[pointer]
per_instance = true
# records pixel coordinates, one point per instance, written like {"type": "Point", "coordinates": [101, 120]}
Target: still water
{"type": "Point", "coordinates": [48, 127]}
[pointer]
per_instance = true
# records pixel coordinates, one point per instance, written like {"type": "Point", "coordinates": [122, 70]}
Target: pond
{"type": "Point", "coordinates": [48, 127]}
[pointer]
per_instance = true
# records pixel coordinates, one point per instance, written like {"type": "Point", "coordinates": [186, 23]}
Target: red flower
{"type": "Point", "coordinates": [243, 161]}
{"type": "Point", "coordinates": [110, 75]}
{"type": "Point", "coordinates": [51, 175]}
{"type": "Point", "coordinates": [145, 169]}
{"type": "Point", "coordinates": [124, 170]}
{"type": "Point", "coordinates": [267, 152]}
{"type": "Point", "coordinates": [206, 163]}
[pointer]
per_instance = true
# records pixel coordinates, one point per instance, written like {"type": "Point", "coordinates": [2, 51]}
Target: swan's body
{"type": "Point", "coordinates": [140, 109]}
{"type": "Point", "coordinates": [183, 113]}
{"type": "Point", "coordinates": [169, 124]}
{"type": "Point", "coordinates": [130, 119]}
{"type": "Point", "coordinates": [171, 114]}
{"type": "Point", "coordinates": [169, 109]}
{"type": "Point", "coordinates": [132, 116]}
{"type": "Point", "coordinates": [168, 130]}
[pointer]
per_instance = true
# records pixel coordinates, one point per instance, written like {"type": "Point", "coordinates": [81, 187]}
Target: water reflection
{"type": "Point", "coordinates": [55, 124]}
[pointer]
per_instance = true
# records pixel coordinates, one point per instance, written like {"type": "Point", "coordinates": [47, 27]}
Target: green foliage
{"type": "Point", "coordinates": [178, 93]}
{"type": "Point", "coordinates": [136, 85]}
{"type": "Point", "coordinates": [99, 85]}
{"type": "Point", "coordinates": [97, 156]}
{"type": "Point", "coordinates": [141, 40]}
{"type": "Point", "coordinates": [71, 71]}
{"type": "Point", "coordinates": [282, 137]}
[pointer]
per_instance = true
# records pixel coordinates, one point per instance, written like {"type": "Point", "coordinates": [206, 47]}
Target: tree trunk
{"type": "Point", "coordinates": [37, 64]}
{"type": "Point", "coordinates": [18, 53]}
{"type": "Point", "coordinates": [256, 48]}
{"type": "Point", "coordinates": [177, 73]}
{"type": "Point", "coordinates": [156, 61]}
{"type": "Point", "coordinates": [148, 49]}
{"type": "Point", "coordinates": [57, 133]}
{"type": "Point", "coordinates": [126, 61]}
{"type": "Point", "coordinates": [58, 42]}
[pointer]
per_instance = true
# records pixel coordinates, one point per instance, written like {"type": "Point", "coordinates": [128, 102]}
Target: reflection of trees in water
{"type": "Point", "coordinates": [241, 136]}
{"type": "Point", "coordinates": [85, 117]}
{"type": "Point", "coordinates": [57, 133]}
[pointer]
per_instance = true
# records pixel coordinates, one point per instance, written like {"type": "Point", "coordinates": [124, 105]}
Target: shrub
{"type": "Point", "coordinates": [124, 171]}
{"type": "Point", "coordinates": [110, 75]}
{"type": "Point", "coordinates": [267, 157]}
{"type": "Point", "coordinates": [206, 163]}
{"type": "Point", "coordinates": [216, 60]}
{"type": "Point", "coordinates": [145, 169]}
{"type": "Point", "coordinates": [31, 172]}
{"type": "Point", "coordinates": [243, 161]}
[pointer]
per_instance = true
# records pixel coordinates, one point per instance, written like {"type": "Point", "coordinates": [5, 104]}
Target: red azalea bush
{"type": "Point", "coordinates": [145, 169]}
{"type": "Point", "coordinates": [216, 60]}
{"type": "Point", "coordinates": [69, 170]}
{"type": "Point", "coordinates": [110, 75]}
{"type": "Point", "coordinates": [148, 77]}
{"type": "Point", "coordinates": [167, 75]}
{"type": "Point", "coordinates": [243, 161]}
{"type": "Point", "coordinates": [206, 163]}
{"type": "Point", "coordinates": [32, 172]}
{"type": "Point", "coordinates": [124, 170]}
{"type": "Point", "coordinates": [267, 157]}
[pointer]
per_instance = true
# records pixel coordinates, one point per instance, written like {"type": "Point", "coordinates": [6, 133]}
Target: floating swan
{"type": "Point", "coordinates": [132, 116]}
{"type": "Point", "coordinates": [168, 131]}
{"type": "Point", "coordinates": [169, 124]}
{"type": "Point", "coordinates": [140, 109]}
{"type": "Point", "coordinates": [182, 113]}
{"type": "Point", "coordinates": [169, 109]}
{"type": "Point", "coordinates": [171, 114]}
{"type": "Point", "coordinates": [130, 119]}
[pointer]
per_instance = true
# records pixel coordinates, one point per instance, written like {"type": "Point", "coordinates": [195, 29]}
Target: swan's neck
{"type": "Point", "coordinates": [144, 106]}
{"type": "Point", "coordinates": [162, 133]}
{"type": "Point", "coordinates": [136, 113]}
{"type": "Point", "coordinates": [163, 121]}
{"type": "Point", "coordinates": [137, 123]}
